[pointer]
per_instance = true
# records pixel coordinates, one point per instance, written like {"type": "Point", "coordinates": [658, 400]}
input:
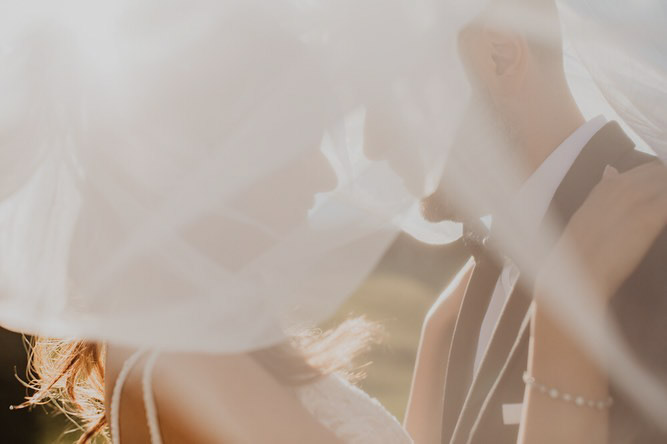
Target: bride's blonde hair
{"type": "Point", "coordinates": [70, 373]}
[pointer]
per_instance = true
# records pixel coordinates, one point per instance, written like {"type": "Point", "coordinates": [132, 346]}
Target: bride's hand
{"type": "Point", "coordinates": [424, 414]}
{"type": "Point", "coordinates": [614, 229]}
{"type": "Point", "coordinates": [444, 310]}
{"type": "Point", "coordinates": [609, 236]}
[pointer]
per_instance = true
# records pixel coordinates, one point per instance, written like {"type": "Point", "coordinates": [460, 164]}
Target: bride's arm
{"type": "Point", "coordinates": [558, 361]}
{"type": "Point", "coordinates": [424, 412]}
{"type": "Point", "coordinates": [612, 232]}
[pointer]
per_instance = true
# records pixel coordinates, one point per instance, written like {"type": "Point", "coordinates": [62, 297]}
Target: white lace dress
{"type": "Point", "coordinates": [352, 415]}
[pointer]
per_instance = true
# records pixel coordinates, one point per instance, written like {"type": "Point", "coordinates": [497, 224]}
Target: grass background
{"type": "Point", "coordinates": [398, 294]}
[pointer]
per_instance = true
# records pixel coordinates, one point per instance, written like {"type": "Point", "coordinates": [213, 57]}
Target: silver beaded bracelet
{"type": "Point", "coordinates": [554, 393]}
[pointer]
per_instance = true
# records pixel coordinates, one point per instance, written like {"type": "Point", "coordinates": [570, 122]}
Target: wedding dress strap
{"type": "Point", "coordinates": [128, 365]}
{"type": "Point", "coordinates": [149, 400]}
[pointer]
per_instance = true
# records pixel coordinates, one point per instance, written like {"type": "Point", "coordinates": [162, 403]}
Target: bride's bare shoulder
{"type": "Point", "coordinates": [211, 398]}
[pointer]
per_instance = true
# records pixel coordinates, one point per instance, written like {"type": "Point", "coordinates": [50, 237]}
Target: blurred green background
{"type": "Point", "coordinates": [397, 294]}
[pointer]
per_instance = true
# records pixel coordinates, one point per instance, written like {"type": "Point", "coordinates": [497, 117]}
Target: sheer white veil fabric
{"type": "Point", "coordinates": [622, 47]}
{"type": "Point", "coordinates": [207, 175]}
{"type": "Point", "coordinates": [193, 175]}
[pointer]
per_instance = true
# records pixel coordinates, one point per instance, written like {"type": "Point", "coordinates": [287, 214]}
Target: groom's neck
{"type": "Point", "coordinates": [543, 124]}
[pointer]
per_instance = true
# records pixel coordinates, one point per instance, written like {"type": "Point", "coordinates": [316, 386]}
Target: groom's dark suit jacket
{"type": "Point", "coordinates": [473, 405]}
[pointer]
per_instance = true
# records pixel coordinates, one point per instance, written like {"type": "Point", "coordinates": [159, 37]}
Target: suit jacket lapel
{"type": "Point", "coordinates": [607, 146]}
{"type": "Point", "coordinates": [507, 387]}
{"type": "Point", "coordinates": [502, 341]}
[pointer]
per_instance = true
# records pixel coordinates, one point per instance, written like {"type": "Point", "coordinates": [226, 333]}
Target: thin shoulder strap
{"type": "Point", "coordinates": [128, 365]}
{"type": "Point", "coordinates": [149, 399]}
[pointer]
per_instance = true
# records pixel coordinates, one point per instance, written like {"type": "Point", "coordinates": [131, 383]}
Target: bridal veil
{"type": "Point", "coordinates": [207, 175]}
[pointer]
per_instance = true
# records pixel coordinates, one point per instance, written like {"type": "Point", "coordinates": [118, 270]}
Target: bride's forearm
{"type": "Point", "coordinates": [557, 361]}
{"type": "Point", "coordinates": [424, 412]}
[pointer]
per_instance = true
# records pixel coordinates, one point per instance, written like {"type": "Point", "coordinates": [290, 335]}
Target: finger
{"type": "Point", "coordinates": [610, 171]}
{"type": "Point", "coordinates": [642, 184]}
{"type": "Point", "coordinates": [644, 168]}
{"type": "Point", "coordinates": [652, 184]}
{"type": "Point", "coordinates": [630, 202]}
{"type": "Point", "coordinates": [646, 172]}
{"type": "Point", "coordinates": [640, 173]}
{"type": "Point", "coordinates": [659, 204]}
{"type": "Point", "coordinates": [629, 192]}
{"type": "Point", "coordinates": [650, 217]}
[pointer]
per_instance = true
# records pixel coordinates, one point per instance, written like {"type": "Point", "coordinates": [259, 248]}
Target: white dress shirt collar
{"type": "Point", "coordinates": [532, 201]}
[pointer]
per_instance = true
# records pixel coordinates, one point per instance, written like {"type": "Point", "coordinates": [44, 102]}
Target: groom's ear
{"type": "Point", "coordinates": [507, 59]}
